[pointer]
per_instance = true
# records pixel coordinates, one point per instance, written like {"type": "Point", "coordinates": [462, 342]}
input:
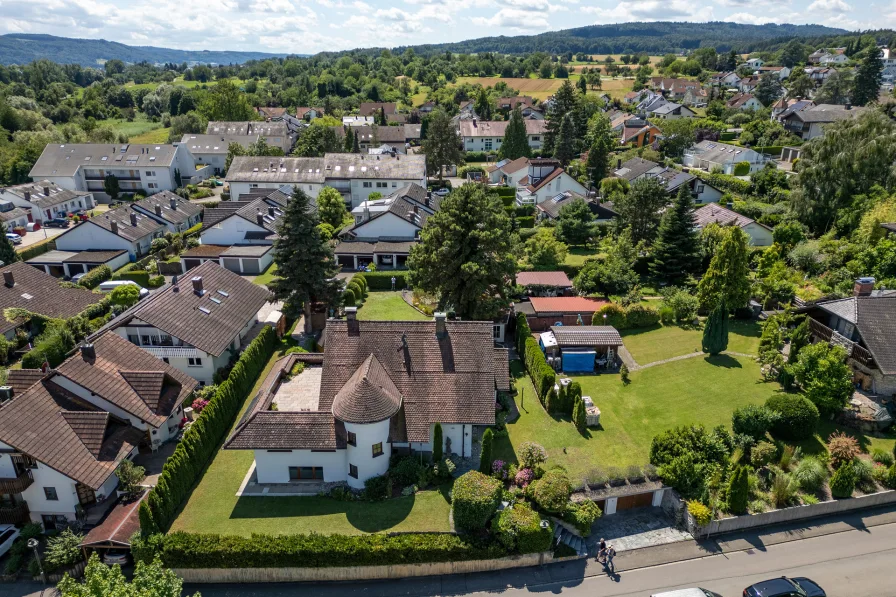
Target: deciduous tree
{"type": "Point", "coordinates": [150, 580]}
{"type": "Point", "coordinates": [331, 208]}
{"type": "Point", "coordinates": [640, 208]}
{"type": "Point", "coordinates": [544, 252]}
{"type": "Point", "coordinates": [575, 225]}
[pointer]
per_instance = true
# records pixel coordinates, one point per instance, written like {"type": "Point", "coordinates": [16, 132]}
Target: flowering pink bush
{"type": "Point", "coordinates": [498, 469]}
{"type": "Point", "coordinates": [523, 477]}
{"type": "Point", "coordinates": [199, 404]}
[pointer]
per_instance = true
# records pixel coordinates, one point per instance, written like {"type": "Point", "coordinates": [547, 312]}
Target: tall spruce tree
{"type": "Point", "coordinates": [465, 254]}
{"type": "Point", "coordinates": [7, 250]}
{"type": "Point", "coordinates": [715, 331]}
{"type": "Point", "coordinates": [306, 266]}
{"type": "Point", "coordinates": [437, 442]}
{"type": "Point", "coordinates": [869, 77]}
{"type": "Point", "coordinates": [349, 139]}
{"type": "Point", "coordinates": [728, 276]}
{"type": "Point", "coordinates": [565, 145]}
{"type": "Point", "coordinates": [356, 146]}
{"type": "Point", "coordinates": [564, 102]}
{"type": "Point", "coordinates": [442, 146]}
{"type": "Point", "coordinates": [516, 141]}
{"type": "Point", "coordinates": [676, 252]}
{"type": "Point", "coordinates": [739, 490]}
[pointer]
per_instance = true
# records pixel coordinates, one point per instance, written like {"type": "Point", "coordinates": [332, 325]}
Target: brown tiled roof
{"type": "Point", "coordinates": [22, 379]}
{"type": "Point", "coordinates": [121, 522]}
{"type": "Point", "coordinates": [180, 312]}
{"type": "Point", "coordinates": [586, 335]}
{"type": "Point", "coordinates": [565, 304]}
{"type": "Point", "coordinates": [89, 426]}
{"type": "Point", "coordinates": [205, 251]}
{"type": "Point", "coordinates": [37, 423]}
{"type": "Point", "coordinates": [558, 279]}
{"type": "Point", "coordinates": [712, 213]}
{"type": "Point", "coordinates": [41, 293]}
{"type": "Point", "coordinates": [373, 108]}
{"type": "Point", "coordinates": [130, 378]}
{"type": "Point", "coordinates": [502, 369]}
{"type": "Point", "coordinates": [213, 215]}
{"type": "Point", "coordinates": [272, 430]}
{"type": "Point", "coordinates": [185, 210]}
{"type": "Point", "coordinates": [369, 396]}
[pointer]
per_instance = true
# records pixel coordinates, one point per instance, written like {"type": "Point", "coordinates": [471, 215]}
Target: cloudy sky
{"type": "Point", "coordinates": [309, 26]}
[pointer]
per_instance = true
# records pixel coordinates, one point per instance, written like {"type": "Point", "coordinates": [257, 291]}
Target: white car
{"type": "Point", "coordinates": [14, 238]}
{"type": "Point", "coordinates": [115, 557]}
{"type": "Point", "coordinates": [8, 534]}
{"type": "Point", "coordinates": [77, 277]}
{"type": "Point", "coordinates": [443, 192]}
{"type": "Point", "coordinates": [111, 285]}
{"type": "Point", "coordinates": [687, 593]}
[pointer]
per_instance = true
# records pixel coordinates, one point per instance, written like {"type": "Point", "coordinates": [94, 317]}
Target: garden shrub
{"type": "Point", "coordinates": [356, 288]}
{"type": "Point", "coordinates": [742, 169]}
{"type": "Point", "coordinates": [799, 416]}
{"type": "Point", "coordinates": [739, 490]}
{"type": "Point", "coordinates": [95, 277]}
{"type": "Point", "coordinates": [543, 376]}
{"type": "Point", "coordinates": [348, 298]}
{"type": "Point", "coordinates": [519, 529]}
{"type": "Point", "coordinates": [615, 316]}
{"type": "Point", "coordinates": [890, 481]}
{"type": "Point", "coordinates": [702, 515]}
{"type": "Point", "coordinates": [526, 222]}
{"type": "Point", "coordinates": [158, 244]}
{"type": "Point", "coordinates": [406, 471]}
{"type": "Point", "coordinates": [474, 500]}
{"type": "Point", "coordinates": [361, 280]}
{"type": "Point", "coordinates": [51, 346]}
{"type": "Point", "coordinates": [476, 156]}
{"type": "Point", "coordinates": [551, 492]}
{"type": "Point", "coordinates": [843, 483]}
{"type": "Point", "coordinates": [582, 515]}
{"type": "Point", "coordinates": [641, 316]}
{"type": "Point", "coordinates": [62, 550]}
{"type": "Point", "coordinates": [763, 453]}
{"type": "Point", "coordinates": [139, 276]}
{"type": "Point", "coordinates": [754, 420]}
{"type": "Point", "coordinates": [383, 280]}
{"type": "Point", "coordinates": [810, 473]}
{"type": "Point", "coordinates": [531, 455]}
{"type": "Point", "coordinates": [842, 448]}
{"type": "Point", "coordinates": [882, 457]}
{"type": "Point", "coordinates": [377, 488]}
{"type": "Point", "coordinates": [682, 304]}
{"type": "Point", "coordinates": [156, 281]}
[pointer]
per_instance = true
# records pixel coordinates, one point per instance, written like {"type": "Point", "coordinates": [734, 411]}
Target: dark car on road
{"type": "Point", "coordinates": [785, 587]}
{"type": "Point", "coordinates": [56, 223]}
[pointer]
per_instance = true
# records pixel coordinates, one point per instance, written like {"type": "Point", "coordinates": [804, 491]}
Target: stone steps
{"type": "Point", "coordinates": [577, 543]}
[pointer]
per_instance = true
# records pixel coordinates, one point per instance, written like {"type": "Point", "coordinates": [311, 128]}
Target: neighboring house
{"type": "Point", "coordinates": [674, 88]}
{"type": "Point", "coordinates": [865, 325]}
{"type": "Point", "coordinates": [507, 172]}
{"type": "Point", "coordinates": [211, 150]}
{"type": "Point", "coordinates": [309, 114]}
{"type": "Point", "coordinates": [748, 84]}
{"type": "Point", "coordinates": [755, 63]}
{"type": "Point", "coordinates": [358, 121]}
{"type": "Point", "coordinates": [485, 135]}
{"type": "Point", "coordinates": [380, 388]}
{"type": "Point", "coordinates": [819, 75]}
{"type": "Point", "coordinates": [85, 166]}
{"type": "Point", "coordinates": [782, 71]}
{"type": "Point", "coordinates": [196, 325]}
{"type": "Point", "coordinates": [760, 235]}
{"type": "Point", "coordinates": [65, 264]}
{"type": "Point", "coordinates": [743, 102]}
{"type": "Point", "coordinates": [785, 107]}
{"type": "Point", "coordinates": [544, 283]}
{"type": "Point", "coordinates": [532, 113]}
{"type": "Point", "coordinates": [726, 79]}
{"type": "Point", "coordinates": [275, 133]}
{"type": "Point", "coordinates": [396, 137]}
{"type": "Point", "coordinates": [835, 58]}
{"type": "Point", "coordinates": [374, 108]}
{"type": "Point", "coordinates": [355, 176]}
{"type": "Point", "coordinates": [650, 102]}
{"type": "Point", "coordinates": [127, 382]}
{"type": "Point", "coordinates": [270, 113]}
{"type": "Point", "coordinates": [59, 456]}
{"type": "Point", "coordinates": [253, 224]}
{"type": "Point", "coordinates": [671, 111]}
{"type": "Point", "coordinates": [175, 212]}
{"type": "Point", "coordinates": [425, 108]}
{"type": "Point", "coordinates": [638, 168]}
{"type": "Point", "coordinates": [543, 312]}
{"type": "Point", "coordinates": [509, 103]}
{"type": "Point", "coordinates": [123, 228]}
{"type": "Point", "coordinates": [809, 123]}
{"type": "Point", "coordinates": [639, 133]}
{"type": "Point", "coordinates": [550, 209]}
{"type": "Point", "coordinates": [709, 155]}
{"type": "Point", "coordinates": [25, 287]}
{"type": "Point", "coordinates": [12, 216]}
{"type": "Point", "coordinates": [43, 200]}
{"type": "Point", "coordinates": [545, 179]}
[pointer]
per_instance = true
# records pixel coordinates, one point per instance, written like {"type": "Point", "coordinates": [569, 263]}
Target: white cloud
{"type": "Point", "coordinates": [829, 6]}
{"type": "Point", "coordinates": [747, 18]}
{"type": "Point", "coordinates": [514, 18]}
{"type": "Point", "coordinates": [652, 10]}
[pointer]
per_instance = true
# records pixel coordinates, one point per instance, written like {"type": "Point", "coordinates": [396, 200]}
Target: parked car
{"type": "Point", "coordinates": [785, 587]}
{"type": "Point", "coordinates": [14, 238]}
{"type": "Point", "coordinates": [8, 534]}
{"type": "Point", "coordinates": [77, 277]}
{"type": "Point", "coordinates": [443, 192]}
{"type": "Point", "coordinates": [687, 593]}
{"type": "Point", "coordinates": [113, 557]}
{"type": "Point", "coordinates": [57, 223]}
{"type": "Point", "coordinates": [111, 285]}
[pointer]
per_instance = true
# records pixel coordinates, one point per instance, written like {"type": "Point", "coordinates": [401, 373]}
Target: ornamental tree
{"type": "Point", "coordinates": [331, 208]}
{"type": "Point", "coordinates": [727, 278]}
{"type": "Point", "coordinates": [715, 332]}
{"type": "Point", "coordinates": [824, 376]}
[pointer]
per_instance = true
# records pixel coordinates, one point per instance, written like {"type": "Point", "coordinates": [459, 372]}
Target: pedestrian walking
{"type": "Point", "coordinates": [602, 551]}
{"type": "Point", "coordinates": [393, 282]}
{"type": "Point", "coordinates": [611, 553]}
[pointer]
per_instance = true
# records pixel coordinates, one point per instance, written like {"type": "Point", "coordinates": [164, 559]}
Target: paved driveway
{"type": "Point", "coordinates": [39, 236]}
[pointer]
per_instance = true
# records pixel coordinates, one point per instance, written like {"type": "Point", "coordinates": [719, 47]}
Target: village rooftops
{"type": "Point", "coordinates": [565, 304]}
{"type": "Point", "coordinates": [287, 170]}
{"type": "Point", "coordinates": [586, 335]}
{"type": "Point", "coordinates": [248, 127]}
{"type": "Point", "coordinates": [634, 168]}
{"type": "Point", "coordinates": [209, 318]}
{"type": "Point", "coordinates": [215, 144]}
{"type": "Point", "coordinates": [874, 316]}
{"type": "Point", "coordinates": [823, 113]}
{"type": "Point", "coordinates": [213, 215]}
{"type": "Point", "coordinates": [553, 279]}
{"type": "Point", "coordinates": [43, 193]}
{"type": "Point", "coordinates": [167, 206]}
{"type": "Point", "coordinates": [373, 108]}
{"type": "Point", "coordinates": [497, 128]}
{"type": "Point", "coordinates": [509, 166]}
{"type": "Point", "coordinates": [712, 213]}
{"type": "Point", "coordinates": [29, 288]}
{"type": "Point", "coordinates": [66, 159]}
{"type": "Point", "coordinates": [127, 223]}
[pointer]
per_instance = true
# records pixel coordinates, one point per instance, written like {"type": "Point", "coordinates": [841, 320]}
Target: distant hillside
{"type": "Point", "coordinates": [20, 48]}
{"type": "Point", "coordinates": [653, 38]}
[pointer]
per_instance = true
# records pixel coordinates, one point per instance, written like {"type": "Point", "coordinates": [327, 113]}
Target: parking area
{"type": "Point", "coordinates": [39, 236]}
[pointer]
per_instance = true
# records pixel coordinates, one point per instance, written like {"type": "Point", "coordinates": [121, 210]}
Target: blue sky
{"type": "Point", "coordinates": [309, 26]}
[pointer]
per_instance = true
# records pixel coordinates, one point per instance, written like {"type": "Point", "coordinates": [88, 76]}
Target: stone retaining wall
{"type": "Point", "coordinates": [796, 513]}
{"type": "Point", "coordinates": [353, 573]}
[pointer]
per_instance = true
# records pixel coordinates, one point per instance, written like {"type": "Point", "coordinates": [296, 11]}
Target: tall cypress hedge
{"type": "Point", "coordinates": [202, 439]}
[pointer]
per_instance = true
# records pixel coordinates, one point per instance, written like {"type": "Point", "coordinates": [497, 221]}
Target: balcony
{"type": "Point", "coordinates": [17, 484]}
{"type": "Point", "coordinates": [17, 514]}
{"type": "Point", "coordinates": [182, 352]}
{"type": "Point", "coordinates": [119, 177]}
{"type": "Point", "coordinates": [855, 352]}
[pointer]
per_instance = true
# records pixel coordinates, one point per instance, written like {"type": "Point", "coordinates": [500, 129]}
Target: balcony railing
{"type": "Point", "coordinates": [17, 514]}
{"type": "Point", "coordinates": [18, 484]}
{"type": "Point", "coordinates": [855, 351]}
{"type": "Point", "coordinates": [172, 351]}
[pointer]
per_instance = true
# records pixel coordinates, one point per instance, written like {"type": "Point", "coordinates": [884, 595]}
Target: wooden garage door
{"type": "Point", "coordinates": [232, 264]}
{"type": "Point", "coordinates": [642, 500]}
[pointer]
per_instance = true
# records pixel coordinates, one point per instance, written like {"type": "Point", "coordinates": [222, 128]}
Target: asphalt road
{"type": "Point", "coordinates": [854, 563]}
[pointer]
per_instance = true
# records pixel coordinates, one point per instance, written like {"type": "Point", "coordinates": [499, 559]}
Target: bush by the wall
{"type": "Point", "coordinates": [464, 170]}
{"type": "Point", "coordinates": [843, 483]}
{"type": "Point", "coordinates": [641, 316]}
{"type": "Point", "coordinates": [187, 550]}
{"type": "Point", "coordinates": [725, 182]}
{"type": "Point", "coordinates": [526, 222]}
{"type": "Point", "coordinates": [754, 420]}
{"type": "Point", "coordinates": [383, 280]}
{"type": "Point", "coordinates": [203, 437]}
{"type": "Point", "coordinates": [139, 276]}
{"type": "Point", "coordinates": [474, 500]}
{"type": "Point", "coordinates": [742, 168]}
{"type": "Point", "coordinates": [36, 250]}
{"type": "Point", "coordinates": [348, 298]}
{"type": "Point", "coordinates": [505, 191]}
{"type": "Point", "coordinates": [726, 136]}
{"type": "Point", "coordinates": [50, 346]}
{"type": "Point", "coordinates": [615, 316]}
{"type": "Point", "coordinates": [702, 515]}
{"type": "Point", "coordinates": [156, 281]}
{"type": "Point", "coordinates": [582, 515]}
{"type": "Point", "coordinates": [95, 277]}
{"type": "Point", "coordinates": [543, 376]}
{"type": "Point", "coordinates": [551, 492]}
{"type": "Point", "coordinates": [197, 228]}
{"type": "Point", "coordinates": [519, 530]}
{"type": "Point", "coordinates": [476, 156]}
{"type": "Point", "coordinates": [798, 416]}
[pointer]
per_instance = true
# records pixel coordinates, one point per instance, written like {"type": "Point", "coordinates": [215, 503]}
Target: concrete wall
{"type": "Point", "coordinates": [739, 523]}
{"type": "Point", "coordinates": [232, 231]}
{"type": "Point", "coordinates": [266, 575]}
{"type": "Point", "coordinates": [273, 467]}
{"type": "Point", "coordinates": [87, 236]}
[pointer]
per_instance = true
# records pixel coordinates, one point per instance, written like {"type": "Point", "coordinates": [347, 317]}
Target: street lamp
{"type": "Point", "coordinates": [33, 543]}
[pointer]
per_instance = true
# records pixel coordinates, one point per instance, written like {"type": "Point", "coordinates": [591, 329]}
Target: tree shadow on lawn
{"type": "Point", "coordinates": [723, 360]}
{"type": "Point", "coordinates": [367, 517]}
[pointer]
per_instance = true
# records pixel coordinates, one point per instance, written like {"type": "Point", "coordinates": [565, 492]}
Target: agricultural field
{"type": "Point", "coordinates": [540, 89]}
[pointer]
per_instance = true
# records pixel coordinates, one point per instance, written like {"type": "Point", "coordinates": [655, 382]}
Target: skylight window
{"type": "Point", "coordinates": [223, 293]}
{"type": "Point", "coordinates": [204, 310]}
{"type": "Point", "coordinates": [27, 296]}
{"type": "Point", "coordinates": [215, 300]}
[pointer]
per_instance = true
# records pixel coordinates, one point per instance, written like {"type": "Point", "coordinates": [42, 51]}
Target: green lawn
{"type": "Point", "coordinates": [213, 506]}
{"type": "Point", "coordinates": [700, 390]}
{"type": "Point", "coordinates": [388, 306]}
{"type": "Point", "coordinates": [139, 126]}
{"type": "Point", "coordinates": [578, 255]}
{"type": "Point", "coordinates": [648, 345]}
{"type": "Point", "coordinates": [154, 136]}
{"type": "Point", "coordinates": [267, 276]}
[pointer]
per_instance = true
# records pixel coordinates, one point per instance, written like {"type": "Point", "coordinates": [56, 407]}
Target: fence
{"type": "Point", "coordinates": [352, 573]}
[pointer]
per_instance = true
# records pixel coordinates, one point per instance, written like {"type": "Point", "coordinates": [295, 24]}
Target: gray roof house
{"type": "Point", "coordinates": [123, 228]}
{"type": "Point", "coordinates": [44, 200]}
{"type": "Point", "coordinates": [175, 212]}
{"type": "Point", "coordinates": [809, 123]}
{"type": "Point", "coordinates": [709, 155]}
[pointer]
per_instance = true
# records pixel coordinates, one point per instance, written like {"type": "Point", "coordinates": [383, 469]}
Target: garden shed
{"type": "Point", "coordinates": [115, 530]}
{"type": "Point", "coordinates": [581, 348]}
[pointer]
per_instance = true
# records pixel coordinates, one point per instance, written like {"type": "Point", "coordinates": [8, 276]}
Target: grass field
{"type": "Point", "coordinates": [268, 275]}
{"type": "Point", "coordinates": [388, 306]}
{"type": "Point", "coordinates": [159, 135]}
{"type": "Point", "coordinates": [139, 126]}
{"type": "Point", "coordinates": [648, 345]}
{"type": "Point", "coordinates": [578, 255]}
{"type": "Point", "coordinates": [540, 89]}
{"type": "Point", "coordinates": [691, 391]}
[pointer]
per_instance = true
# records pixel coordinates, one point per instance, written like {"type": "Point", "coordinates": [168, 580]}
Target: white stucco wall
{"type": "Point", "coordinates": [232, 231]}
{"type": "Point", "coordinates": [387, 225]}
{"type": "Point", "coordinates": [708, 194]}
{"type": "Point", "coordinates": [361, 454]}
{"type": "Point", "coordinates": [273, 467]}
{"type": "Point", "coordinates": [460, 435]}
{"type": "Point", "coordinates": [88, 236]}
{"type": "Point", "coordinates": [759, 235]}
{"type": "Point", "coordinates": [7, 469]}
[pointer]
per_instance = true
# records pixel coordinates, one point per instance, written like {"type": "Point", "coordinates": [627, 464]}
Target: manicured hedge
{"type": "Point", "coordinates": [505, 191]}
{"type": "Point", "coordinates": [742, 168]}
{"type": "Point", "coordinates": [726, 136]}
{"type": "Point", "coordinates": [204, 436]}
{"type": "Point", "coordinates": [383, 280]}
{"type": "Point", "coordinates": [476, 156]}
{"type": "Point", "coordinates": [474, 500]}
{"type": "Point", "coordinates": [621, 318]}
{"type": "Point", "coordinates": [187, 550]}
{"type": "Point", "coordinates": [132, 272]}
{"type": "Point", "coordinates": [543, 376]}
{"type": "Point", "coordinates": [799, 416]}
{"type": "Point", "coordinates": [724, 182]}
{"type": "Point", "coordinates": [36, 250]}
{"type": "Point", "coordinates": [526, 222]}
{"type": "Point", "coordinates": [95, 277]}
{"type": "Point", "coordinates": [772, 150]}
{"type": "Point", "coordinates": [196, 229]}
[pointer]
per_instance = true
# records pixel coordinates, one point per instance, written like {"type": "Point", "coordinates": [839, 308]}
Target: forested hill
{"type": "Point", "coordinates": [19, 48]}
{"type": "Point", "coordinates": [652, 38]}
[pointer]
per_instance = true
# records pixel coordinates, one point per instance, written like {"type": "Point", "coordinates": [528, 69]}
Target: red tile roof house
{"type": "Point", "coordinates": [544, 283]}
{"type": "Point", "coordinates": [380, 387]}
{"type": "Point", "coordinates": [65, 432]}
{"type": "Point", "coordinates": [543, 312]}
